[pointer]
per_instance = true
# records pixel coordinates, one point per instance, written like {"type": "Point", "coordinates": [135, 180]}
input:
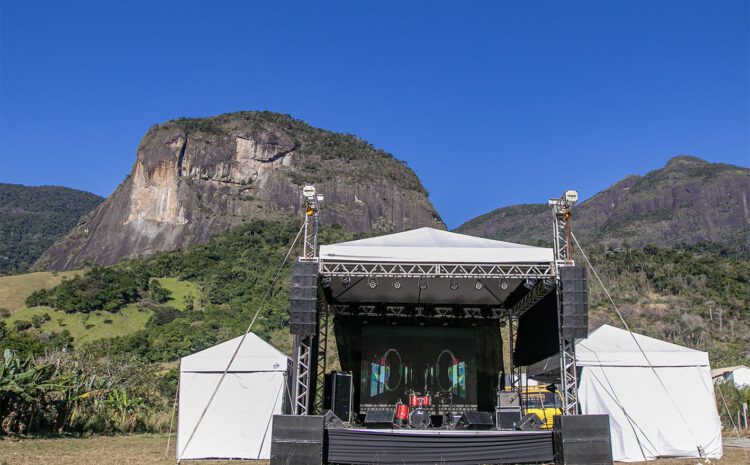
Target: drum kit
{"type": "Point", "coordinates": [415, 414]}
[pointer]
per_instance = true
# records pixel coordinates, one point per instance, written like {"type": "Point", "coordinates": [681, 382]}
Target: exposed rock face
{"type": "Point", "coordinates": [687, 201]}
{"type": "Point", "coordinates": [194, 178]}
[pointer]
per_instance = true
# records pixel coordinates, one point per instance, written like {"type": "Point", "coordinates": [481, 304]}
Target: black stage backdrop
{"type": "Point", "coordinates": [458, 364]}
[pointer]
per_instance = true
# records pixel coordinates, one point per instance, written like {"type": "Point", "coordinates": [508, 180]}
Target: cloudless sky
{"type": "Point", "coordinates": [491, 103]}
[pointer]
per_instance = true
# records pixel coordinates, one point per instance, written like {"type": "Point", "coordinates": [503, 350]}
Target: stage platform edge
{"type": "Point", "coordinates": [422, 447]}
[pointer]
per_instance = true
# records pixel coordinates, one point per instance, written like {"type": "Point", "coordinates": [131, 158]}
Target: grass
{"type": "Point", "coordinates": [84, 327]}
{"type": "Point", "coordinates": [148, 449]}
{"type": "Point", "coordinates": [88, 327]}
{"type": "Point", "coordinates": [14, 289]}
{"type": "Point", "coordinates": [180, 291]}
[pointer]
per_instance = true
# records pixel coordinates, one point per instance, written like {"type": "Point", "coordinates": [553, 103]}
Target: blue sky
{"type": "Point", "coordinates": [491, 103]}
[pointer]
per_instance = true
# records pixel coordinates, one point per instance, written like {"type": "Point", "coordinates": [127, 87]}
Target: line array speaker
{"type": "Point", "coordinates": [575, 302]}
{"type": "Point", "coordinates": [302, 309]}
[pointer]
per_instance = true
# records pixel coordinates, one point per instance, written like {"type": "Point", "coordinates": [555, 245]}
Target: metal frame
{"type": "Point", "coordinates": [335, 268]}
{"type": "Point", "coordinates": [563, 249]}
{"type": "Point", "coordinates": [309, 372]}
{"type": "Point", "coordinates": [305, 369]}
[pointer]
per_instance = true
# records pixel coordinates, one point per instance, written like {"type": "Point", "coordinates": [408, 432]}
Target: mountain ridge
{"type": "Point", "coordinates": [196, 177]}
{"type": "Point", "coordinates": [33, 217]}
{"type": "Point", "coordinates": [688, 201]}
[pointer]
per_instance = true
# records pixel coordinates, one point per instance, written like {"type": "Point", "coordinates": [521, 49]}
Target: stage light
{"type": "Point", "coordinates": [503, 284]}
{"type": "Point", "coordinates": [503, 324]}
{"type": "Point", "coordinates": [423, 284]}
{"type": "Point", "coordinates": [454, 284]}
{"type": "Point", "coordinates": [326, 281]}
{"type": "Point", "coordinates": [478, 285]}
{"type": "Point", "coordinates": [529, 283]}
{"type": "Point", "coordinates": [548, 284]}
{"type": "Point", "coordinates": [372, 283]}
{"type": "Point", "coordinates": [397, 284]}
{"type": "Point", "coordinates": [346, 281]}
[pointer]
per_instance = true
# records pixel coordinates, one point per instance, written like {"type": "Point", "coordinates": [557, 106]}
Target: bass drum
{"type": "Point", "coordinates": [419, 419]}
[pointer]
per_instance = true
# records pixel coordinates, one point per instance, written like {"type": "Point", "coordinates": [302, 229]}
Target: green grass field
{"type": "Point", "coordinates": [14, 289]}
{"type": "Point", "coordinates": [180, 291]}
{"type": "Point", "coordinates": [84, 327]}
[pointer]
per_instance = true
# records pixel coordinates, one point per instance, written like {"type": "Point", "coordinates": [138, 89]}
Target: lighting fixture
{"type": "Point", "coordinates": [478, 285]}
{"type": "Point", "coordinates": [346, 281]}
{"type": "Point", "coordinates": [423, 284]}
{"type": "Point", "coordinates": [529, 283]}
{"type": "Point", "coordinates": [454, 284]}
{"type": "Point", "coordinates": [548, 284]}
{"type": "Point", "coordinates": [326, 281]}
{"type": "Point", "coordinates": [397, 284]}
{"type": "Point", "coordinates": [503, 284]}
{"type": "Point", "coordinates": [372, 283]}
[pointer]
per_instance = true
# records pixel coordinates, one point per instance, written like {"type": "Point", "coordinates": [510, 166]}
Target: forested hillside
{"type": "Point", "coordinates": [32, 218]}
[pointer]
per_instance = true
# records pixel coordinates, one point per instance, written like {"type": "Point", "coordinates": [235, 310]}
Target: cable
{"type": "Point", "coordinates": [171, 419]}
{"type": "Point", "coordinates": [236, 350]}
{"type": "Point", "coordinates": [701, 451]}
{"type": "Point", "coordinates": [731, 420]}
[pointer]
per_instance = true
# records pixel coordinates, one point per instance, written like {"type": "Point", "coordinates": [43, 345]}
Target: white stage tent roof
{"type": "Point", "coordinates": [648, 419]}
{"type": "Point", "coordinates": [428, 245]}
{"type": "Point", "coordinates": [237, 424]}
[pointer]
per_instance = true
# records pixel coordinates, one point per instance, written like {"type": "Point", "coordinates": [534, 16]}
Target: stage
{"type": "Point", "coordinates": [410, 446]}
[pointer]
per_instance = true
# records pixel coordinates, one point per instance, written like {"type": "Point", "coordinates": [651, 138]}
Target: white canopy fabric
{"type": "Point", "coordinates": [665, 416]}
{"type": "Point", "coordinates": [428, 245]}
{"type": "Point", "coordinates": [237, 425]}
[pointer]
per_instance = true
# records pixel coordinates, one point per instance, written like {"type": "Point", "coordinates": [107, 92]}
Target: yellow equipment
{"type": "Point", "coordinates": [540, 400]}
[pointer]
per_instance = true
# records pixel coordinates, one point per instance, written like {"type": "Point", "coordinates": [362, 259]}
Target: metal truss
{"type": "Point", "coordinates": [402, 311]}
{"type": "Point", "coordinates": [435, 270]}
{"type": "Point", "coordinates": [303, 365]}
{"type": "Point", "coordinates": [537, 293]}
{"type": "Point", "coordinates": [322, 354]}
{"type": "Point", "coordinates": [515, 371]}
{"type": "Point", "coordinates": [563, 249]}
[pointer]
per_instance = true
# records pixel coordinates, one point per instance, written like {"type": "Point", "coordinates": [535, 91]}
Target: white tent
{"type": "Point", "coordinates": [738, 375]}
{"type": "Point", "coordinates": [647, 419]}
{"type": "Point", "coordinates": [430, 245]}
{"type": "Point", "coordinates": [238, 423]}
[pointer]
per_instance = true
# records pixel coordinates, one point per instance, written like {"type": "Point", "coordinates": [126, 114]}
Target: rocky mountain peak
{"type": "Point", "coordinates": [196, 177]}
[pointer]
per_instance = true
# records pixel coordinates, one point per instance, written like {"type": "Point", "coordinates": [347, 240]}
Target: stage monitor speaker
{"type": "Point", "coordinates": [380, 418]}
{"type": "Point", "coordinates": [297, 439]}
{"type": "Point", "coordinates": [506, 418]}
{"type": "Point", "coordinates": [575, 303]}
{"type": "Point", "coordinates": [475, 421]}
{"type": "Point", "coordinates": [582, 439]}
{"type": "Point", "coordinates": [304, 294]}
{"type": "Point", "coordinates": [530, 422]}
{"type": "Point", "coordinates": [330, 420]}
{"type": "Point", "coordinates": [337, 394]}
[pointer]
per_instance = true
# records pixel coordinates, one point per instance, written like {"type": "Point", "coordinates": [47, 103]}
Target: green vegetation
{"type": "Point", "coordinates": [14, 290]}
{"type": "Point", "coordinates": [87, 327]}
{"type": "Point", "coordinates": [32, 218]}
{"type": "Point", "coordinates": [62, 393]}
{"type": "Point", "coordinates": [700, 301]}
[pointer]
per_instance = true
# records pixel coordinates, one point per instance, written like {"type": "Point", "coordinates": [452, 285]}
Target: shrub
{"type": "Point", "coordinates": [22, 325]}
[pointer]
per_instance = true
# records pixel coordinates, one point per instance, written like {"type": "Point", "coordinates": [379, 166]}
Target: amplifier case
{"type": "Point", "coordinates": [297, 439]}
{"type": "Point", "coordinates": [582, 439]}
